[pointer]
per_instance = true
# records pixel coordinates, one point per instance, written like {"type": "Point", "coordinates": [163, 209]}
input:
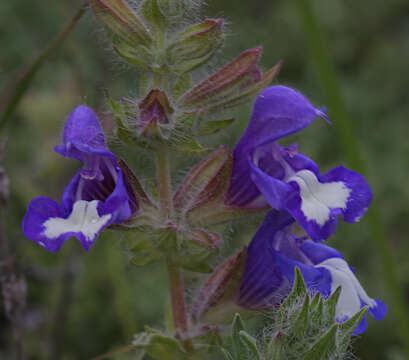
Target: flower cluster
{"type": "Point", "coordinates": [266, 173]}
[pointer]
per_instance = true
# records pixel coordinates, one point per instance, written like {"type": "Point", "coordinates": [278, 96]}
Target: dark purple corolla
{"type": "Point", "coordinates": [265, 173]}
{"type": "Point", "coordinates": [272, 257]}
{"type": "Point", "coordinates": [97, 196]}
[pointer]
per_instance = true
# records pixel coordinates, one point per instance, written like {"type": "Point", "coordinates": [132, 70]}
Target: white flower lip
{"type": "Point", "coordinates": [317, 198]}
{"type": "Point", "coordinates": [84, 218]}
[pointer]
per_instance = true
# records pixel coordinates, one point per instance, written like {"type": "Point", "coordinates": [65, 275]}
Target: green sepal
{"type": "Point", "coordinates": [124, 133]}
{"type": "Point", "coordinates": [135, 55]}
{"type": "Point", "coordinates": [226, 354]}
{"type": "Point", "coordinates": [141, 249]}
{"type": "Point", "coordinates": [121, 23]}
{"type": "Point", "coordinates": [188, 145]}
{"type": "Point", "coordinates": [219, 291]}
{"type": "Point", "coordinates": [195, 46]}
{"type": "Point", "coordinates": [199, 178]}
{"type": "Point", "coordinates": [347, 328]}
{"type": "Point", "coordinates": [301, 323]}
{"type": "Point", "coordinates": [182, 84]}
{"type": "Point", "coordinates": [331, 304]}
{"type": "Point", "coordinates": [174, 9]}
{"type": "Point", "coordinates": [238, 347]}
{"type": "Point", "coordinates": [251, 343]}
{"type": "Point", "coordinates": [325, 347]}
{"type": "Point", "coordinates": [212, 127]}
{"type": "Point", "coordinates": [297, 294]}
{"type": "Point", "coordinates": [154, 16]}
{"type": "Point", "coordinates": [159, 346]}
{"type": "Point", "coordinates": [244, 93]}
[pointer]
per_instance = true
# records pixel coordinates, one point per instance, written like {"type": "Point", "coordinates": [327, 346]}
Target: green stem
{"type": "Point", "coordinates": [24, 79]}
{"type": "Point", "coordinates": [346, 136]}
{"type": "Point", "coordinates": [164, 185]}
{"type": "Point", "coordinates": [176, 283]}
{"type": "Point", "coordinates": [177, 296]}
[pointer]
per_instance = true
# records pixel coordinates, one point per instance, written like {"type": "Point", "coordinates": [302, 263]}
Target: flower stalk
{"type": "Point", "coordinates": [176, 283]}
{"type": "Point", "coordinates": [164, 185]}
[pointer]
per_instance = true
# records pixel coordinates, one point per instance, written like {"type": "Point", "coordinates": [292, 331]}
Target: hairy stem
{"type": "Point", "coordinates": [176, 283]}
{"type": "Point", "coordinates": [23, 80]}
{"type": "Point", "coordinates": [346, 136]}
{"type": "Point", "coordinates": [164, 185]}
{"type": "Point", "coordinates": [177, 294]}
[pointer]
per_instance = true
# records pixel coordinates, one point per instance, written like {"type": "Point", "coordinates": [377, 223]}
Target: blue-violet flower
{"type": "Point", "coordinates": [272, 257]}
{"type": "Point", "coordinates": [99, 194]}
{"type": "Point", "coordinates": [265, 172]}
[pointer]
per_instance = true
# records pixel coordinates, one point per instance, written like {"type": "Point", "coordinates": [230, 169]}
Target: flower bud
{"type": "Point", "coordinates": [234, 84]}
{"type": "Point", "coordinates": [222, 283]}
{"type": "Point", "coordinates": [155, 113]}
{"type": "Point", "coordinates": [128, 34]}
{"type": "Point", "coordinates": [195, 45]}
{"type": "Point", "coordinates": [199, 184]}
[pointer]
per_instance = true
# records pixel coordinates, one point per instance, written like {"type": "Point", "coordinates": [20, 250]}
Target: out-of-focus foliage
{"type": "Point", "coordinates": [83, 304]}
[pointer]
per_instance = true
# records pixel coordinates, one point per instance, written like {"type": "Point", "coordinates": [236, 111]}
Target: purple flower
{"type": "Point", "coordinates": [267, 173]}
{"type": "Point", "coordinates": [98, 195]}
{"type": "Point", "coordinates": [272, 257]}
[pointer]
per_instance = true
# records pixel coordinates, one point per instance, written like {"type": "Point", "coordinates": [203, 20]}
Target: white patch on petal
{"type": "Point", "coordinates": [84, 218]}
{"type": "Point", "coordinates": [352, 292]}
{"type": "Point", "coordinates": [318, 198]}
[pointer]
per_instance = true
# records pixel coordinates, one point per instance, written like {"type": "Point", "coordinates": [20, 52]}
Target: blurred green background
{"type": "Point", "coordinates": [82, 304]}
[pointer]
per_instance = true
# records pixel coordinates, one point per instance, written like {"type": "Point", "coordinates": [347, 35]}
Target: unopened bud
{"type": "Point", "coordinates": [195, 45]}
{"type": "Point", "coordinates": [128, 34]}
{"type": "Point", "coordinates": [155, 113]}
{"type": "Point", "coordinates": [219, 284]}
{"type": "Point", "coordinates": [237, 82]}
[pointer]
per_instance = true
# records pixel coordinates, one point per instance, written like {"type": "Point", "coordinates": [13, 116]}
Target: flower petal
{"type": "Point", "coordinates": [353, 297]}
{"type": "Point", "coordinates": [84, 222]}
{"type": "Point", "coordinates": [83, 136]}
{"type": "Point", "coordinates": [262, 284]}
{"type": "Point", "coordinates": [320, 199]}
{"type": "Point", "coordinates": [39, 211]}
{"type": "Point", "coordinates": [318, 252]}
{"type": "Point", "coordinates": [360, 192]}
{"type": "Point", "coordinates": [275, 191]}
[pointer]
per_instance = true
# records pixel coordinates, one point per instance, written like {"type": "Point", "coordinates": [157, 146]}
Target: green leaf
{"type": "Point", "coordinates": [212, 127]}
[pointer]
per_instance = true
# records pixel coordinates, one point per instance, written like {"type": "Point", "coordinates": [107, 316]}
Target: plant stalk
{"type": "Point", "coordinates": [176, 283]}
{"type": "Point", "coordinates": [164, 185]}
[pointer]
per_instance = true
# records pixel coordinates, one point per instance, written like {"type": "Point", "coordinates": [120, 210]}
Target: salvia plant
{"type": "Point", "coordinates": [312, 301]}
